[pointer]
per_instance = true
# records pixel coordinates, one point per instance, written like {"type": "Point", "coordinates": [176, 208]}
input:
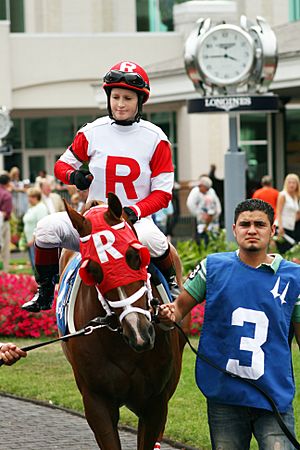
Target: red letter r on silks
{"type": "Point", "coordinates": [120, 169]}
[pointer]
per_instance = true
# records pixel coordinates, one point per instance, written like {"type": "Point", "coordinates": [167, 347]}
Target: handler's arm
{"type": "Point", "coordinates": [176, 311]}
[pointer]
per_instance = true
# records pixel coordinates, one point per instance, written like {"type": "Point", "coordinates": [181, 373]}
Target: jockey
{"type": "Point", "coordinates": [125, 155]}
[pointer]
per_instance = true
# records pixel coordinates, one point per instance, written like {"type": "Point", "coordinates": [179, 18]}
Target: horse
{"type": "Point", "coordinates": [138, 365]}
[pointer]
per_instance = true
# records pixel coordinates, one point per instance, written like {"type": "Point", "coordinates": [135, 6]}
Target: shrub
{"type": "Point", "coordinates": [191, 254]}
{"type": "Point", "coordinates": [14, 291]}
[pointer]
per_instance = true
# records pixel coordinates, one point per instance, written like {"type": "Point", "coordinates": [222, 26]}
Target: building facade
{"type": "Point", "coordinates": [54, 54]}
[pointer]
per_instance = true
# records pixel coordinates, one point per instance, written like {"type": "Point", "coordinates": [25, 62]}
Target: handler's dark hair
{"type": "Point", "coordinates": [254, 204]}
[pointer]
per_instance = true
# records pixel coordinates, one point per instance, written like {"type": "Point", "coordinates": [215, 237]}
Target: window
{"type": "Point", "coordinates": [13, 10]}
{"type": "Point", "coordinates": [293, 141]}
{"type": "Point", "coordinates": [49, 132]}
{"type": "Point", "coordinates": [294, 10]}
{"type": "Point", "coordinates": [155, 15]}
{"type": "Point", "coordinates": [254, 142]}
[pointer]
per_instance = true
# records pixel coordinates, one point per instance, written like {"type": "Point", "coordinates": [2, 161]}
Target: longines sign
{"type": "Point", "coordinates": [234, 103]}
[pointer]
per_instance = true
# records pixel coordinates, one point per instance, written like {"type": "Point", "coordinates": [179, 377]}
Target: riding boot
{"type": "Point", "coordinates": [46, 275]}
{"type": "Point", "coordinates": [165, 264]}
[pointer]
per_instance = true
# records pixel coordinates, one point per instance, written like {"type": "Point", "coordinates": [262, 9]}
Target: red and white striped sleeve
{"type": "Point", "coordinates": [72, 158]}
{"type": "Point", "coordinates": [162, 181]}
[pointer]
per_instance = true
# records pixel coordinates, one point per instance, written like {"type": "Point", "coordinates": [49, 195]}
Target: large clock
{"type": "Point", "coordinates": [225, 55]}
{"type": "Point", "coordinates": [5, 123]}
{"type": "Point", "coordinates": [225, 58]}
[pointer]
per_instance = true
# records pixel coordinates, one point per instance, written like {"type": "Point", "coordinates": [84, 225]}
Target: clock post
{"type": "Point", "coordinates": [232, 68]}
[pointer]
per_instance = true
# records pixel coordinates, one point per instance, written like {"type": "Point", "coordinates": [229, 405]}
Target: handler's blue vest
{"type": "Point", "coordinates": [246, 326]}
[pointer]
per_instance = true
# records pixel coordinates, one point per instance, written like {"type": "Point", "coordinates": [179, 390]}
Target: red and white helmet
{"type": "Point", "coordinates": [128, 75]}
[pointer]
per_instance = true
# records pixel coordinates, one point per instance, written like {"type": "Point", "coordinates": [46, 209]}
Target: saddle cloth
{"type": "Point", "coordinates": [67, 296]}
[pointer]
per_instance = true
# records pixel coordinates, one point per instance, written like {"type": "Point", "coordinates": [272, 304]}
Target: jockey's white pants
{"type": "Point", "coordinates": [56, 230]}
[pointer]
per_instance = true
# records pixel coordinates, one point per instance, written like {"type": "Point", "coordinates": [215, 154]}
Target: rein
{"type": "Point", "coordinates": [98, 322]}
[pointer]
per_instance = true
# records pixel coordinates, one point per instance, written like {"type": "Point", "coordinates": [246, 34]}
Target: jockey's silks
{"type": "Point", "coordinates": [107, 245]}
{"type": "Point", "coordinates": [246, 326]}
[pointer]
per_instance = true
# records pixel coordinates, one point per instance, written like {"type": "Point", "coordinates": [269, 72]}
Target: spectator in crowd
{"type": "Point", "coordinates": [6, 207]}
{"type": "Point", "coordinates": [10, 353]}
{"type": "Point", "coordinates": [44, 176]}
{"type": "Point", "coordinates": [83, 195]}
{"type": "Point", "coordinates": [204, 204]}
{"type": "Point", "coordinates": [267, 193]}
{"type": "Point", "coordinates": [162, 218]}
{"type": "Point", "coordinates": [287, 212]}
{"type": "Point", "coordinates": [218, 186]}
{"type": "Point", "coordinates": [74, 200]}
{"type": "Point", "coordinates": [52, 200]}
{"type": "Point", "coordinates": [37, 211]}
{"type": "Point", "coordinates": [252, 297]}
{"type": "Point", "coordinates": [20, 202]}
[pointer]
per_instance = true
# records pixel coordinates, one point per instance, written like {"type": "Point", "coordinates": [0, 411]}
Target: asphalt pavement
{"type": "Point", "coordinates": [27, 425]}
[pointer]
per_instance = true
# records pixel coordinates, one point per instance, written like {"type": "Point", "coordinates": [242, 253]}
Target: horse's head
{"type": "Point", "coordinates": [115, 262]}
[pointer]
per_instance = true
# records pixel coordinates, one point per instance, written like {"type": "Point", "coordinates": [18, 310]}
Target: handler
{"type": "Point", "coordinates": [10, 353]}
{"type": "Point", "coordinates": [126, 155]}
{"type": "Point", "coordinates": [252, 298]}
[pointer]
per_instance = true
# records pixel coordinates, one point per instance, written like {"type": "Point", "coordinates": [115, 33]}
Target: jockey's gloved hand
{"type": "Point", "coordinates": [130, 215]}
{"type": "Point", "coordinates": [81, 178]}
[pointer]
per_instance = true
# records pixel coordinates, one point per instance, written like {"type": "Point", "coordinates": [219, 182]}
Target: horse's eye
{"type": "Point", "coordinates": [133, 258]}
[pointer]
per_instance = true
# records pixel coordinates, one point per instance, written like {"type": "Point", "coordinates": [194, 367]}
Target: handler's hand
{"type": "Point", "coordinates": [10, 353]}
{"type": "Point", "coordinates": [166, 313]}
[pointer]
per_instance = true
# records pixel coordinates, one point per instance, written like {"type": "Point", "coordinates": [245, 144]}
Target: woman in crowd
{"type": "Point", "coordinates": [37, 211]}
{"type": "Point", "coordinates": [287, 212]}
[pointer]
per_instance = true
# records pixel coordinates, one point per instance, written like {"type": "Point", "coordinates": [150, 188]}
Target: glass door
{"type": "Point", "coordinates": [40, 159]}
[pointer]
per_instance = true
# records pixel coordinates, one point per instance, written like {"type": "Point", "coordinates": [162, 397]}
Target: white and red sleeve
{"type": "Point", "coordinates": [72, 158]}
{"type": "Point", "coordinates": [162, 181]}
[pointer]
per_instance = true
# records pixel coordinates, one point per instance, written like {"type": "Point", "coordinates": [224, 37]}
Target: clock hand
{"type": "Point", "coordinates": [216, 56]}
{"type": "Point", "coordinates": [222, 56]}
{"type": "Point", "coordinates": [230, 57]}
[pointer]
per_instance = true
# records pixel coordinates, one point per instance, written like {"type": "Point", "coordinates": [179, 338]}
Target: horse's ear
{"type": "Point", "coordinates": [114, 205]}
{"type": "Point", "coordinates": [79, 222]}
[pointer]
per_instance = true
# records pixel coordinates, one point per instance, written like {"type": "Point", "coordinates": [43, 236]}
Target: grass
{"type": "Point", "coordinates": [45, 375]}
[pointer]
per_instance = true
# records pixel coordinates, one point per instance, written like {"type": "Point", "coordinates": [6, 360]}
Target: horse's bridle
{"type": "Point", "coordinates": [127, 302]}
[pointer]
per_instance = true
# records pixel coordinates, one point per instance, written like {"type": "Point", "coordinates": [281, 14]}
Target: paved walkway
{"type": "Point", "coordinates": [33, 426]}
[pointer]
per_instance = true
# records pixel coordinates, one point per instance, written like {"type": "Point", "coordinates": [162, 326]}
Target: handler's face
{"type": "Point", "coordinates": [253, 231]}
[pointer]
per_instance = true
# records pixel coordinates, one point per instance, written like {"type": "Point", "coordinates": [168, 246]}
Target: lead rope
{"type": "Point", "coordinates": [277, 414]}
{"type": "Point", "coordinates": [98, 322]}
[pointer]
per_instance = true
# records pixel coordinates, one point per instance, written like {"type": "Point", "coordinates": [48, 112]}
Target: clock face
{"type": "Point", "coordinates": [225, 55]}
{"type": "Point", "coordinates": [5, 124]}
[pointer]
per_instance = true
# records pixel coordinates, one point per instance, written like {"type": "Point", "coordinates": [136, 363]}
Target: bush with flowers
{"type": "Point", "coordinates": [191, 254]}
{"type": "Point", "coordinates": [197, 318]}
{"type": "Point", "coordinates": [17, 289]}
{"type": "Point", "coordinates": [14, 291]}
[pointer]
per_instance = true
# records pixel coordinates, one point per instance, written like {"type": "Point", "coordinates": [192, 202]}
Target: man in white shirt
{"type": "Point", "coordinates": [204, 204]}
{"type": "Point", "coordinates": [52, 200]}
